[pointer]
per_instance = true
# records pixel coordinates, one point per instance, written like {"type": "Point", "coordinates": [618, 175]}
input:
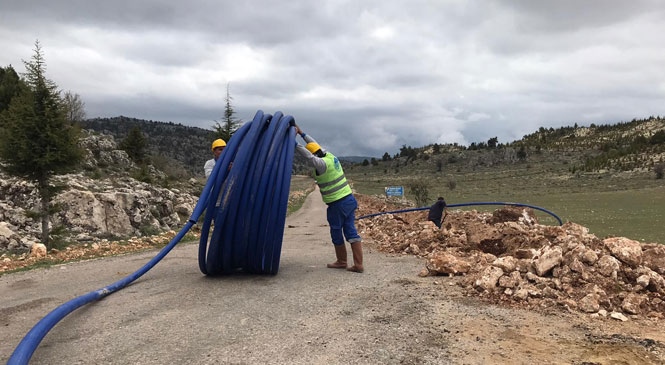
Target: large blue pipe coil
{"type": "Point", "coordinates": [250, 192]}
{"type": "Point", "coordinates": [245, 200]}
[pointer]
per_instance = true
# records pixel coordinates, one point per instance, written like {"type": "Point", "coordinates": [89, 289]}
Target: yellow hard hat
{"type": "Point", "coordinates": [313, 147]}
{"type": "Point", "coordinates": [218, 143]}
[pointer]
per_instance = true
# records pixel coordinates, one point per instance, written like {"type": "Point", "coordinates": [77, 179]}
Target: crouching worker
{"type": "Point", "coordinates": [436, 212]}
{"type": "Point", "coordinates": [337, 194]}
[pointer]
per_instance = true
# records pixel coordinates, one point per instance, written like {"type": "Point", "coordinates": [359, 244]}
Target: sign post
{"type": "Point", "coordinates": [394, 190]}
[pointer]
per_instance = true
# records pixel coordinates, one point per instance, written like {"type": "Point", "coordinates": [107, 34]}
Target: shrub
{"type": "Point", "coordinates": [420, 192]}
{"type": "Point", "coordinates": [659, 169]}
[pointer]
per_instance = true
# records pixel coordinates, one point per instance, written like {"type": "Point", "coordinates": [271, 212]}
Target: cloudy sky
{"type": "Point", "coordinates": [362, 77]}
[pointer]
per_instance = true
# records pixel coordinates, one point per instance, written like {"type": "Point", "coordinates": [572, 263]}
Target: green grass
{"type": "Point", "coordinates": [637, 214]}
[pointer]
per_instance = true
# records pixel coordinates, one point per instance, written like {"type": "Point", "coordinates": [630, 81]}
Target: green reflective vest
{"type": "Point", "coordinates": [332, 183]}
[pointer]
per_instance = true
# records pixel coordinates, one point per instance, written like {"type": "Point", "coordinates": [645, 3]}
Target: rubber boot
{"type": "Point", "coordinates": [357, 250]}
{"type": "Point", "coordinates": [340, 252]}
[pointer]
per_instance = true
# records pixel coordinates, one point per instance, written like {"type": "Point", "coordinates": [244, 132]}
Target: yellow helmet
{"type": "Point", "coordinates": [218, 143]}
{"type": "Point", "coordinates": [313, 147]}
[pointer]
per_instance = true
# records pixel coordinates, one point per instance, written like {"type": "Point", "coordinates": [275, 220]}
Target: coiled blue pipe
{"type": "Point", "coordinates": [251, 182]}
{"type": "Point", "coordinates": [465, 205]}
{"type": "Point", "coordinates": [249, 199]}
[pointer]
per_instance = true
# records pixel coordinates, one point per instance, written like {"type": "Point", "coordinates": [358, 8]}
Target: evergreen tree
{"type": "Point", "coordinates": [521, 153]}
{"type": "Point", "coordinates": [230, 123]}
{"type": "Point", "coordinates": [36, 139]}
{"type": "Point", "coordinates": [658, 138]}
{"type": "Point", "coordinates": [135, 145]}
{"type": "Point", "coordinates": [10, 86]}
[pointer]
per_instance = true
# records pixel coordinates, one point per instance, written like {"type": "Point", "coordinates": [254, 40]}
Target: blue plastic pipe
{"type": "Point", "coordinates": [245, 199]}
{"type": "Point", "coordinates": [247, 209]}
{"type": "Point", "coordinates": [465, 205]}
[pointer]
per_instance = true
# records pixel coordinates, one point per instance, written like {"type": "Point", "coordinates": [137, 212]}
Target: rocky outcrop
{"type": "Point", "coordinates": [91, 208]}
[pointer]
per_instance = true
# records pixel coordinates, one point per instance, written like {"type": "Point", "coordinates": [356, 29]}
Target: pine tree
{"type": "Point", "coordinates": [230, 123]}
{"type": "Point", "coordinates": [135, 145]}
{"type": "Point", "coordinates": [10, 86]}
{"type": "Point", "coordinates": [36, 139]}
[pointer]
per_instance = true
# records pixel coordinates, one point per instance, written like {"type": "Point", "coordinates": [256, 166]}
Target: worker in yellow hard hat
{"type": "Point", "coordinates": [218, 146]}
{"type": "Point", "coordinates": [337, 194]}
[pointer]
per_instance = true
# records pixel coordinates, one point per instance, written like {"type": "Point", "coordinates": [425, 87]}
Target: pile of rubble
{"type": "Point", "coordinates": [507, 257]}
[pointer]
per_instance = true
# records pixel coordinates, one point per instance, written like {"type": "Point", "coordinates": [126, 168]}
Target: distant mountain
{"type": "Point", "coordinates": [355, 159]}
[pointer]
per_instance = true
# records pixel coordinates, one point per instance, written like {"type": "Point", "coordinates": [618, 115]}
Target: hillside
{"type": "Point", "coordinates": [608, 178]}
{"type": "Point", "coordinates": [174, 148]}
{"type": "Point", "coordinates": [637, 146]}
{"type": "Point", "coordinates": [188, 146]}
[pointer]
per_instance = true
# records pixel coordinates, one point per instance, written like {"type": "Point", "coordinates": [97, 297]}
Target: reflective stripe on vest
{"type": "Point", "coordinates": [332, 183]}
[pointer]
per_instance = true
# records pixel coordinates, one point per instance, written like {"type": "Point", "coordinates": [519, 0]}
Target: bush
{"type": "Point", "coordinates": [659, 169]}
{"type": "Point", "coordinates": [142, 174]}
{"type": "Point", "coordinates": [420, 192]}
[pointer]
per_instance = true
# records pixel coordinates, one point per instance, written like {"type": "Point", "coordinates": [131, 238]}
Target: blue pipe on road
{"type": "Point", "coordinates": [246, 198]}
{"type": "Point", "coordinates": [464, 205]}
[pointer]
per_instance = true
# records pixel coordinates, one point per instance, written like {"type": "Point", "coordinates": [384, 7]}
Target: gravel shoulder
{"type": "Point", "coordinates": [306, 314]}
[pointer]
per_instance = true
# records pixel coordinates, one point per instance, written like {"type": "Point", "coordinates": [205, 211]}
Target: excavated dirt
{"type": "Point", "coordinates": [507, 258]}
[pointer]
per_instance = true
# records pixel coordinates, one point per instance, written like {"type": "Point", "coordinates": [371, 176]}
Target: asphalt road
{"type": "Point", "coordinates": [306, 314]}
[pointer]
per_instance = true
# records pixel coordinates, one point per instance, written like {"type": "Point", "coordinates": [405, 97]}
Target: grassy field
{"type": "Point", "coordinates": [627, 205]}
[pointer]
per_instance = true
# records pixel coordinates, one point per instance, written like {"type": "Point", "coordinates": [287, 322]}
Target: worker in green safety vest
{"type": "Point", "coordinates": [337, 194]}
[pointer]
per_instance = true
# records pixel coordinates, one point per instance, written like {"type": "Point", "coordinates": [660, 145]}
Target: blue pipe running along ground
{"type": "Point", "coordinates": [245, 201]}
{"type": "Point", "coordinates": [465, 205]}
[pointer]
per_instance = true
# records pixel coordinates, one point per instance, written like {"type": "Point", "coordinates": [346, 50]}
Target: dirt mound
{"type": "Point", "coordinates": [508, 257]}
